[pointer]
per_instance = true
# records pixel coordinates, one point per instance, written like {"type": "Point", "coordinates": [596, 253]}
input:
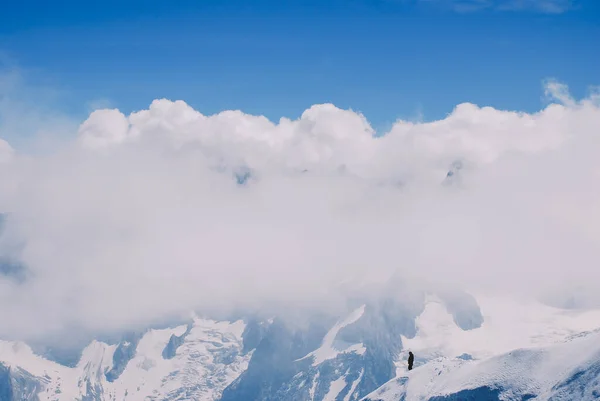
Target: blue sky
{"type": "Point", "coordinates": [385, 58]}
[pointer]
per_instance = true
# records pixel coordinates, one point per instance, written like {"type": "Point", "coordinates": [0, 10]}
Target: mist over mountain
{"type": "Point", "coordinates": [169, 255]}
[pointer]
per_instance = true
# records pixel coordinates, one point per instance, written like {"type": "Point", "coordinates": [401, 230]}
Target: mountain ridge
{"type": "Point", "coordinates": [360, 354]}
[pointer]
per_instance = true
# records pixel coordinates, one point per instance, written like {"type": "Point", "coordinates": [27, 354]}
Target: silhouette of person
{"type": "Point", "coordinates": [411, 359]}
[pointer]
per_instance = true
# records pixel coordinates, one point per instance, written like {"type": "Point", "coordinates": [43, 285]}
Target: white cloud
{"type": "Point", "coordinates": [542, 6]}
{"type": "Point", "coordinates": [141, 217]}
{"type": "Point", "coordinates": [104, 127]}
{"type": "Point", "coordinates": [6, 151]}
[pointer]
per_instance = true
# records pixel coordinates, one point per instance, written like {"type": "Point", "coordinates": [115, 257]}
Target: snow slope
{"type": "Point", "coordinates": [329, 349]}
{"type": "Point", "coordinates": [542, 373]}
{"type": "Point", "coordinates": [523, 350]}
{"type": "Point", "coordinates": [509, 324]}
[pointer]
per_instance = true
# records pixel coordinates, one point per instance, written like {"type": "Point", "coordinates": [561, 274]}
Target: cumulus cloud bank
{"type": "Point", "coordinates": [167, 210]}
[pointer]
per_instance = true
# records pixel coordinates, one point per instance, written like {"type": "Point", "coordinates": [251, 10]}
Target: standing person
{"type": "Point", "coordinates": [411, 359]}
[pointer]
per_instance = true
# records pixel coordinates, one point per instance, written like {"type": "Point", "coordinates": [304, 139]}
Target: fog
{"type": "Point", "coordinates": [135, 218]}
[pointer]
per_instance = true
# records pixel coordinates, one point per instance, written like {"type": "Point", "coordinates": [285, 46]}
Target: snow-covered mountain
{"type": "Point", "coordinates": [495, 349]}
{"type": "Point", "coordinates": [154, 367]}
{"type": "Point", "coordinates": [566, 371]}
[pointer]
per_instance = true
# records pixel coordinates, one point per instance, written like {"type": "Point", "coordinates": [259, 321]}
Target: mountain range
{"type": "Point", "coordinates": [466, 348]}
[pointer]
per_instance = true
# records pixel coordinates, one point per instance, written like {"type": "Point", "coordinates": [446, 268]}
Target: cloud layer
{"type": "Point", "coordinates": [167, 210]}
